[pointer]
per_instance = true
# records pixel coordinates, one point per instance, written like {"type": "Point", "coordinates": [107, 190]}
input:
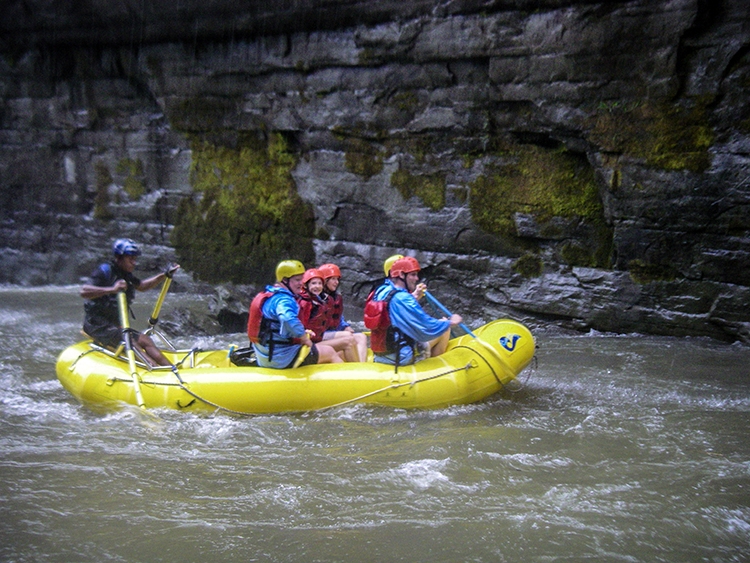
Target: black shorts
{"type": "Point", "coordinates": [105, 335]}
{"type": "Point", "coordinates": [310, 360]}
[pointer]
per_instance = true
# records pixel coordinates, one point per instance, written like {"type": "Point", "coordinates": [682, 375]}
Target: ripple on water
{"type": "Point", "coordinates": [616, 449]}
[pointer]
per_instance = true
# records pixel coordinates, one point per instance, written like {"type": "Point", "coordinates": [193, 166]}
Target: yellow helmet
{"type": "Point", "coordinates": [289, 268]}
{"type": "Point", "coordinates": [389, 263]}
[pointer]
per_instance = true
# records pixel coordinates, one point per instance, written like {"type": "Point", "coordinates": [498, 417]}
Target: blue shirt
{"type": "Point", "coordinates": [407, 315]}
{"type": "Point", "coordinates": [282, 309]}
{"type": "Point", "coordinates": [343, 325]}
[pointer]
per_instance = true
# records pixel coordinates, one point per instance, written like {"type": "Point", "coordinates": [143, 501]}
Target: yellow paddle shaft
{"type": "Point", "coordinates": [160, 301]}
{"type": "Point", "coordinates": [122, 303]}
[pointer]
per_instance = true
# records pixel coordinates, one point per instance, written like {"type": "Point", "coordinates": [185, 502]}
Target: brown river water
{"type": "Point", "coordinates": [615, 448]}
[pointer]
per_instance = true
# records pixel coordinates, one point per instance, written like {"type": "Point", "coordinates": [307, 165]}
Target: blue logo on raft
{"type": "Point", "coordinates": [509, 343]}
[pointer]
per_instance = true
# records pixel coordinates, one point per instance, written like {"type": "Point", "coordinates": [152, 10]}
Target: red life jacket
{"type": "Point", "coordinates": [335, 309]}
{"type": "Point", "coordinates": [255, 316]}
{"type": "Point", "coordinates": [378, 321]}
{"type": "Point", "coordinates": [264, 331]}
{"type": "Point", "coordinates": [312, 314]}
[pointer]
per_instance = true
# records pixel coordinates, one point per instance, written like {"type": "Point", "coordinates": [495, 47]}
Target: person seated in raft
{"type": "Point", "coordinates": [337, 327]}
{"type": "Point", "coordinates": [423, 348]}
{"type": "Point", "coordinates": [395, 341]}
{"type": "Point", "coordinates": [315, 311]}
{"type": "Point", "coordinates": [420, 288]}
{"type": "Point", "coordinates": [102, 316]}
{"type": "Point", "coordinates": [389, 262]}
{"type": "Point", "coordinates": [274, 328]}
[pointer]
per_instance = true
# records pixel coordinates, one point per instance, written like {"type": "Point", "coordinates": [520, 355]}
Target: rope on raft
{"type": "Point", "coordinates": [185, 388]}
{"type": "Point", "coordinates": [341, 404]}
{"type": "Point", "coordinates": [489, 365]}
{"type": "Point", "coordinates": [396, 386]}
{"type": "Point", "coordinates": [181, 383]}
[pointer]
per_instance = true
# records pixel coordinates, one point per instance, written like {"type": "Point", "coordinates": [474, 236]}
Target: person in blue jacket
{"type": "Point", "coordinates": [274, 328]}
{"type": "Point", "coordinates": [409, 324]}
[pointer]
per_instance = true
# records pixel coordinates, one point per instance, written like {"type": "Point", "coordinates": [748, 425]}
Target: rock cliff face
{"type": "Point", "coordinates": [575, 162]}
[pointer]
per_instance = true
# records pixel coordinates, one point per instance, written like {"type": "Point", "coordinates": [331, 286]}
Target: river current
{"type": "Point", "coordinates": [615, 448]}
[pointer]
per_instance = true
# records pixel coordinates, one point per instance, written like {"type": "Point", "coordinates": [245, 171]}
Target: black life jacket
{"type": "Point", "coordinates": [106, 306]}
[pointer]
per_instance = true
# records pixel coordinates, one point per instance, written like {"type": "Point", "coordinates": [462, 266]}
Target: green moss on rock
{"type": "Point", "coordinates": [529, 266]}
{"type": "Point", "coordinates": [134, 182]}
{"type": "Point", "coordinates": [246, 215]}
{"type": "Point", "coordinates": [665, 136]}
{"type": "Point", "coordinates": [576, 254]}
{"type": "Point", "coordinates": [101, 199]}
{"type": "Point", "coordinates": [430, 188]}
{"type": "Point", "coordinates": [363, 158]}
{"type": "Point", "coordinates": [644, 272]}
{"type": "Point", "coordinates": [539, 181]}
{"type": "Point", "coordinates": [544, 183]}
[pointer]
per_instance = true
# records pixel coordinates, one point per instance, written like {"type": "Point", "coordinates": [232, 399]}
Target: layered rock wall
{"type": "Point", "coordinates": [577, 162]}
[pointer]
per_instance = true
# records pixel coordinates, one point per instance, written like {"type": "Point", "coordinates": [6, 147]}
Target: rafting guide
{"type": "Point", "coordinates": [102, 316]}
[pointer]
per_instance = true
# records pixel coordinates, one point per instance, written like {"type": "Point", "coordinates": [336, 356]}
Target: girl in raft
{"type": "Point", "coordinates": [314, 313]}
{"type": "Point", "coordinates": [337, 326]}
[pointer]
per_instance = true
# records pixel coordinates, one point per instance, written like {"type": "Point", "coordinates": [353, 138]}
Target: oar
{"type": "Point", "coordinates": [440, 306]}
{"type": "Point", "coordinates": [304, 351]}
{"type": "Point", "coordinates": [445, 310]}
{"type": "Point", "coordinates": [154, 319]}
{"type": "Point", "coordinates": [125, 322]}
{"type": "Point", "coordinates": [160, 300]}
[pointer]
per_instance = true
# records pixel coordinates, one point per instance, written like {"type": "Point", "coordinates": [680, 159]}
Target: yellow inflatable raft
{"type": "Point", "coordinates": [473, 368]}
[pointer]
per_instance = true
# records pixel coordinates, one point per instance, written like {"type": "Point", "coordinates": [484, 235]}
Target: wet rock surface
{"type": "Point", "coordinates": [402, 117]}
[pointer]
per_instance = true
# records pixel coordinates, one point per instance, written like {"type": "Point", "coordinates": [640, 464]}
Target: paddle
{"type": "Point", "coordinates": [169, 273]}
{"type": "Point", "coordinates": [125, 323]}
{"type": "Point", "coordinates": [304, 351]}
{"type": "Point", "coordinates": [445, 310]}
{"type": "Point", "coordinates": [440, 306]}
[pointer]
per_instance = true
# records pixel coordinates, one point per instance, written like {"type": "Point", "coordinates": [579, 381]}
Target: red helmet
{"type": "Point", "coordinates": [310, 274]}
{"type": "Point", "coordinates": [403, 266]}
{"type": "Point", "coordinates": [329, 271]}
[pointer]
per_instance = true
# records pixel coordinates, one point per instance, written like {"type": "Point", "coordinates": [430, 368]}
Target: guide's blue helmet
{"type": "Point", "coordinates": [125, 247]}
